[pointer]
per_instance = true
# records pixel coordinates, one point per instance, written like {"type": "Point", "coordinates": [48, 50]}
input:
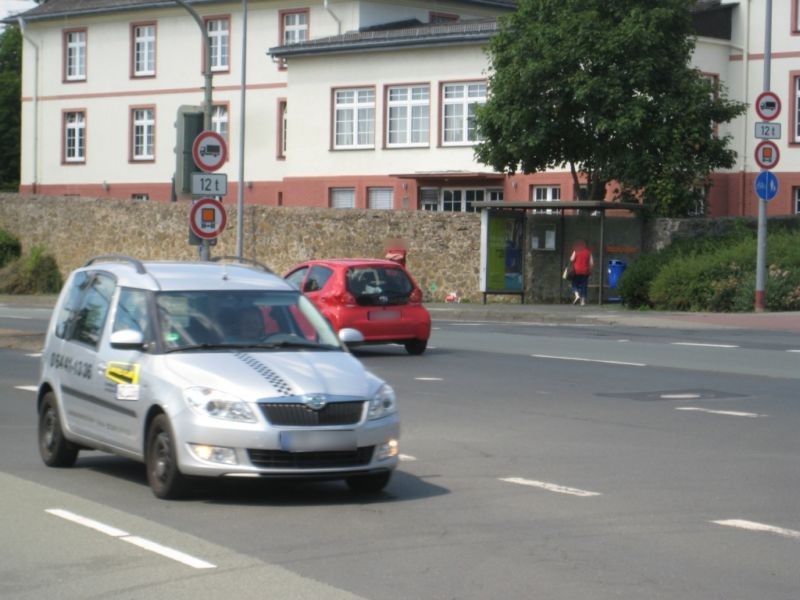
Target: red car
{"type": "Point", "coordinates": [379, 298]}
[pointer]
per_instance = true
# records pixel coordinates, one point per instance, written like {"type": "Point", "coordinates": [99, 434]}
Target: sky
{"type": "Point", "coordinates": [12, 7]}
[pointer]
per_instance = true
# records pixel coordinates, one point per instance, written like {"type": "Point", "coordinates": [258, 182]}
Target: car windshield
{"type": "Point", "coordinates": [191, 320]}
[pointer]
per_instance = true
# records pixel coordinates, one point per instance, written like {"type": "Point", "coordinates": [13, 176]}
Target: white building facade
{"type": "Point", "coordinates": [349, 103]}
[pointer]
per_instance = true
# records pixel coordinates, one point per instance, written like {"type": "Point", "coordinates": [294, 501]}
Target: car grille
{"type": "Point", "coordinates": [280, 459]}
{"type": "Point", "coordinates": [300, 415]}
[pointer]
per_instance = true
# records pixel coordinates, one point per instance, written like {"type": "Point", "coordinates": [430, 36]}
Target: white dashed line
{"type": "Point", "coordinates": [679, 396]}
{"type": "Point", "coordinates": [593, 360]}
{"type": "Point", "coordinates": [146, 544]}
{"type": "Point", "coordinates": [704, 345]}
{"type": "Point", "coordinates": [26, 388]}
{"type": "Point", "coordinates": [550, 487]}
{"type": "Point", "coordinates": [407, 458]}
{"type": "Point", "coordinates": [35, 355]}
{"type": "Point", "coordinates": [428, 379]}
{"type": "Point", "coordinates": [753, 526]}
{"type": "Point", "coordinates": [170, 553]}
{"type": "Point", "coordinates": [793, 350]}
{"type": "Point", "coordinates": [729, 413]}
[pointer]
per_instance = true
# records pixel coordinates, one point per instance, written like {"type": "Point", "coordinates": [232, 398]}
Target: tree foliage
{"type": "Point", "coordinates": [605, 89]}
{"type": "Point", "coordinates": [10, 69]}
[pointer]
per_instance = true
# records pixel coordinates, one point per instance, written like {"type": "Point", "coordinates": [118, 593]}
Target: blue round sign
{"type": "Point", "coordinates": [766, 185]}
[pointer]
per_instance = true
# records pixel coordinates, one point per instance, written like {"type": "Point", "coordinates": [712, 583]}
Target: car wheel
{"type": "Point", "coordinates": [163, 475]}
{"type": "Point", "coordinates": [369, 484]}
{"type": "Point", "coordinates": [55, 449]}
{"type": "Point", "coordinates": [416, 347]}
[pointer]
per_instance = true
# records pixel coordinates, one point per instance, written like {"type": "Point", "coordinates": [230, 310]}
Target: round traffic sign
{"type": "Point", "coordinates": [766, 185]}
{"type": "Point", "coordinates": [768, 105]}
{"type": "Point", "coordinates": [207, 218]}
{"type": "Point", "coordinates": [209, 150]}
{"type": "Point", "coordinates": [767, 154]}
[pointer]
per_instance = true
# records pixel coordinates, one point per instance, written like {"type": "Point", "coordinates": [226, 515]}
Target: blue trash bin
{"type": "Point", "coordinates": [615, 270]}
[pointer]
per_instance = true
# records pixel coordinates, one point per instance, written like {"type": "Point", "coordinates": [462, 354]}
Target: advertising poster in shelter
{"type": "Point", "coordinates": [501, 251]}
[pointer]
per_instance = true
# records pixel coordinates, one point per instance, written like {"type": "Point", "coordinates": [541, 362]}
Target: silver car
{"type": "Point", "coordinates": [212, 369]}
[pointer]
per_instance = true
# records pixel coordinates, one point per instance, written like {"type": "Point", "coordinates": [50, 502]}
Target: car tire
{"type": "Point", "coordinates": [163, 474]}
{"type": "Point", "coordinates": [416, 347]}
{"type": "Point", "coordinates": [369, 484]}
{"type": "Point", "coordinates": [55, 449]}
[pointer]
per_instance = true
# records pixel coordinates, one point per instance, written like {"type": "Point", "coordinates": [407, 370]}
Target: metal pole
{"type": "Point", "coordinates": [243, 94]}
{"type": "Point", "coordinates": [761, 249]}
{"type": "Point", "coordinates": [204, 248]}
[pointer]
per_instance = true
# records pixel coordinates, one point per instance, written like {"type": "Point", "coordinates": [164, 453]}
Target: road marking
{"type": "Point", "coordinates": [428, 379]}
{"type": "Point", "coordinates": [550, 487]}
{"type": "Point", "coordinates": [90, 523]}
{"type": "Point", "coordinates": [753, 526]}
{"type": "Point", "coordinates": [793, 350]}
{"type": "Point", "coordinates": [623, 341]}
{"type": "Point", "coordinates": [19, 318]}
{"type": "Point", "coordinates": [704, 345]}
{"type": "Point", "coordinates": [26, 388]}
{"type": "Point", "coordinates": [407, 458]}
{"type": "Point", "coordinates": [594, 360]}
{"type": "Point", "coordinates": [679, 396]}
{"type": "Point", "coordinates": [146, 544]}
{"type": "Point", "coordinates": [167, 552]}
{"type": "Point", "coordinates": [35, 355]}
{"type": "Point", "coordinates": [729, 413]}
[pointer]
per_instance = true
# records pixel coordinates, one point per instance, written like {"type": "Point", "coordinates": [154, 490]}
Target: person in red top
{"type": "Point", "coordinates": [396, 250]}
{"type": "Point", "coordinates": [582, 263]}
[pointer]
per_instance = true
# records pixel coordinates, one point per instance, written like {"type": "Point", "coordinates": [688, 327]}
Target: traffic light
{"type": "Point", "coordinates": [188, 126]}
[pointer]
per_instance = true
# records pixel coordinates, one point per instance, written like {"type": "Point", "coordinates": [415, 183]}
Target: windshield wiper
{"type": "Point", "coordinates": [296, 344]}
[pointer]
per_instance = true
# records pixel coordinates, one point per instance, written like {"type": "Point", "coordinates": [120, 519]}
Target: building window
{"type": "Point", "coordinates": [140, 197]}
{"type": "Point", "coordinates": [219, 34]}
{"type": "Point", "coordinates": [547, 193]}
{"type": "Point", "coordinates": [143, 133]}
{"type": "Point", "coordinates": [437, 18]}
{"type": "Point", "coordinates": [458, 108]}
{"type": "Point", "coordinates": [343, 198]}
{"type": "Point", "coordinates": [796, 196]}
{"type": "Point", "coordinates": [355, 118]}
{"type": "Point", "coordinates": [282, 127]}
{"type": "Point", "coordinates": [494, 195]}
{"type": "Point", "coordinates": [74, 137]}
{"type": "Point", "coordinates": [409, 116]}
{"type": "Point", "coordinates": [219, 120]}
{"type": "Point", "coordinates": [144, 50]}
{"type": "Point", "coordinates": [429, 199]}
{"type": "Point", "coordinates": [796, 109]}
{"type": "Point", "coordinates": [294, 26]}
{"type": "Point", "coordinates": [460, 200]}
{"type": "Point", "coordinates": [381, 198]}
{"type": "Point", "coordinates": [75, 55]}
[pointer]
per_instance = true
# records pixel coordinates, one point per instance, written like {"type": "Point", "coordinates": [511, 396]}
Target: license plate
{"type": "Point", "coordinates": [317, 441]}
{"type": "Point", "coordinates": [383, 315]}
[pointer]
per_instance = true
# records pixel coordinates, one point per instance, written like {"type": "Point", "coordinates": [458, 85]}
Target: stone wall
{"type": "Point", "coordinates": [443, 247]}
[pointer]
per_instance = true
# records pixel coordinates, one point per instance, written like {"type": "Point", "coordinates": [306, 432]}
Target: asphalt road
{"type": "Point", "coordinates": [539, 461]}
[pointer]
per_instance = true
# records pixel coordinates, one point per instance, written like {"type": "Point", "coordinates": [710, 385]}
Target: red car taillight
{"type": "Point", "coordinates": [345, 299]}
{"type": "Point", "coordinates": [415, 297]}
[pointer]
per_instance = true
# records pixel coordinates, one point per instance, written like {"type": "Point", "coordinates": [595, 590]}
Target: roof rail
{"type": "Point", "coordinates": [118, 258]}
{"type": "Point", "coordinates": [240, 259]}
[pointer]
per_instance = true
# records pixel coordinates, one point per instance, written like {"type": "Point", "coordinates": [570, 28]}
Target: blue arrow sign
{"type": "Point", "coordinates": [766, 185]}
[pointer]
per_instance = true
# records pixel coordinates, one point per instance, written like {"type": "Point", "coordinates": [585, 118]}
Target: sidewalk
{"type": "Point", "coordinates": [615, 314]}
{"type": "Point", "coordinates": [606, 314]}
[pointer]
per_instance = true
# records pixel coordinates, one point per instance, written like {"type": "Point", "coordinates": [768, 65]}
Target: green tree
{"type": "Point", "coordinates": [605, 88]}
{"type": "Point", "coordinates": [10, 69]}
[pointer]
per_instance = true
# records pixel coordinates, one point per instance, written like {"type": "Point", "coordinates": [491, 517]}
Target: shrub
{"type": "Point", "coordinates": [36, 273]}
{"type": "Point", "coordinates": [10, 248]}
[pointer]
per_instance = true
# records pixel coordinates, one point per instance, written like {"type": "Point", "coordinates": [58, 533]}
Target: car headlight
{"type": "Point", "coordinates": [218, 404]}
{"type": "Point", "coordinates": [383, 403]}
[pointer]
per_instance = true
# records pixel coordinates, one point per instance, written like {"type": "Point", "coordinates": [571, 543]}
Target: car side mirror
{"type": "Point", "coordinates": [127, 339]}
{"type": "Point", "coordinates": [350, 336]}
